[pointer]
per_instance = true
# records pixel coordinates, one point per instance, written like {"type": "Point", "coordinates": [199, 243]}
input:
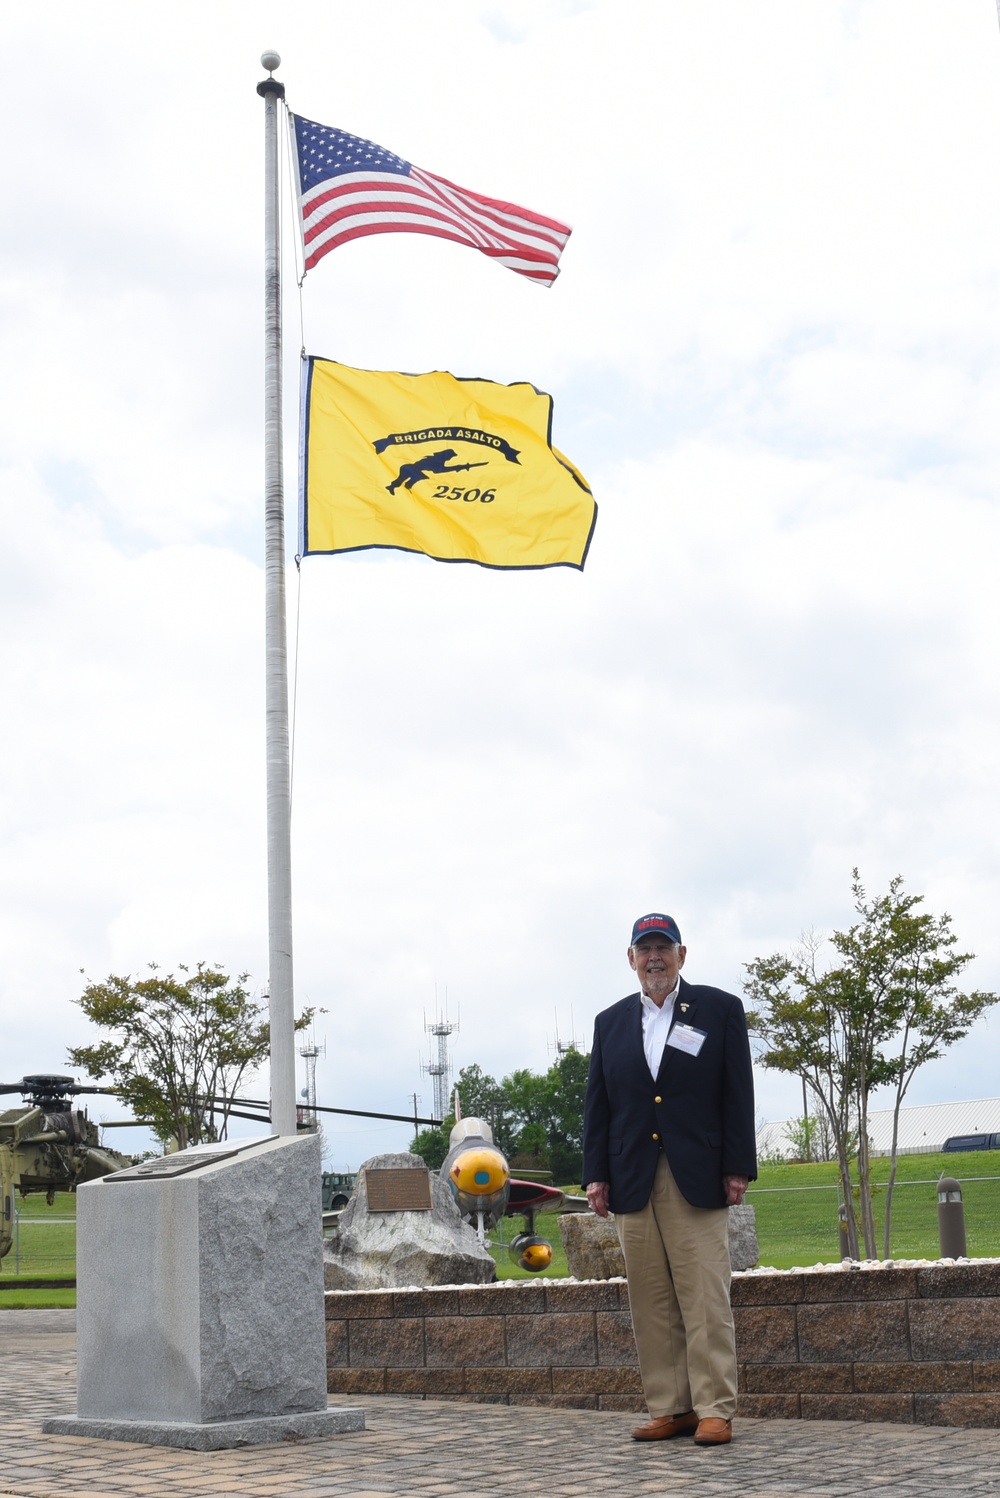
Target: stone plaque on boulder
{"type": "Point", "coordinates": [398, 1190]}
{"type": "Point", "coordinates": [379, 1249]}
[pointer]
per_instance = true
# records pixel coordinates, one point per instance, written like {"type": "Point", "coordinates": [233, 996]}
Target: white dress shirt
{"type": "Point", "coordinates": [656, 1021]}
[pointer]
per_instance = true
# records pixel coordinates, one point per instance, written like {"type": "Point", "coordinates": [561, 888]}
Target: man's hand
{"type": "Point", "coordinates": [597, 1195]}
{"type": "Point", "coordinates": [734, 1186]}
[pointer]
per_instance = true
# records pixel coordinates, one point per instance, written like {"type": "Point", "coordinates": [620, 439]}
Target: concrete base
{"type": "Point", "coordinates": [221, 1435]}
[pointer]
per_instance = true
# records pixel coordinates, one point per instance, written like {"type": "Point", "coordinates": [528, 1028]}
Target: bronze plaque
{"type": "Point", "coordinates": [402, 1190]}
{"type": "Point", "coordinates": [167, 1167]}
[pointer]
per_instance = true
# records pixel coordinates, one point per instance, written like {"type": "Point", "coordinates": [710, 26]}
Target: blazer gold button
{"type": "Point", "coordinates": [656, 1136]}
{"type": "Point", "coordinates": [657, 1100]}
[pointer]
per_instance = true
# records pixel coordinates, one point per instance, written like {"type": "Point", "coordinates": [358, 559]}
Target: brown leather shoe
{"type": "Point", "coordinates": [667, 1427]}
{"type": "Point", "coordinates": [713, 1432]}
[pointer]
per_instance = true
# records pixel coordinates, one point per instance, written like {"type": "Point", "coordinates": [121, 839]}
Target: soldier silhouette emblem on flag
{"type": "Point", "coordinates": [411, 473]}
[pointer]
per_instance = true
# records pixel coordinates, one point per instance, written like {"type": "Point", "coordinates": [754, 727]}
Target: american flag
{"type": "Point", "coordinates": [349, 187]}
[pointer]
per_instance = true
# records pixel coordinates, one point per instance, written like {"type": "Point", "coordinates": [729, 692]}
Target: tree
{"type": "Point", "coordinates": [932, 1013]}
{"type": "Point", "coordinates": [179, 1047]}
{"type": "Point", "coordinates": [529, 1100]}
{"type": "Point", "coordinates": [483, 1097]}
{"type": "Point", "coordinates": [432, 1146]}
{"type": "Point", "coordinates": [801, 1135]}
{"type": "Point", "coordinates": [811, 1139]}
{"type": "Point", "coordinates": [568, 1082]}
{"type": "Point", "coordinates": [479, 1096]}
{"type": "Point", "coordinates": [801, 1030]}
{"type": "Point", "coordinates": [889, 1006]}
{"type": "Point", "coordinates": [536, 1119]}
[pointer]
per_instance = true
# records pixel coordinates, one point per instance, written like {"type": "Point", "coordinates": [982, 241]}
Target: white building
{"type": "Point", "coordinates": [921, 1130]}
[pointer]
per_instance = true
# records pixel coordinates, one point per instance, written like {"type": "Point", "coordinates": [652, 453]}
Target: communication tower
{"type": "Point", "coordinates": [440, 1069]}
{"type": "Point", "coordinates": [561, 1047]}
{"type": "Point", "coordinates": [307, 1115]}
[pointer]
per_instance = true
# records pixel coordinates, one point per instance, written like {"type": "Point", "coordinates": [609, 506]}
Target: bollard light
{"type": "Point", "coordinates": [951, 1218]}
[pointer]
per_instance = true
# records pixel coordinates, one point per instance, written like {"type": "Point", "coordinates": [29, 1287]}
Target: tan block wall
{"type": "Point", "coordinates": [906, 1344]}
{"type": "Point", "coordinates": [534, 1343]}
{"type": "Point", "coordinates": [901, 1344]}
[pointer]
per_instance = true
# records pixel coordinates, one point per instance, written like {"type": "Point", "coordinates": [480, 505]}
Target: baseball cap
{"type": "Point", "coordinates": [660, 925]}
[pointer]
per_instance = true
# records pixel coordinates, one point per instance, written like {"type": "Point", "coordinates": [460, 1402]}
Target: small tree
{"type": "Point", "coordinates": [801, 1135]}
{"type": "Point", "coordinates": [179, 1047]}
{"type": "Point", "coordinates": [810, 1138]}
{"type": "Point", "coordinates": [802, 1031]}
{"type": "Point", "coordinates": [931, 1013]}
{"type": "Point", "coordinates": [886, 1008]}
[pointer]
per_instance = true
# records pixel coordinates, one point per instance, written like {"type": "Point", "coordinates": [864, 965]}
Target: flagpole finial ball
{"type": "Point", "coordinates": [270, 60]}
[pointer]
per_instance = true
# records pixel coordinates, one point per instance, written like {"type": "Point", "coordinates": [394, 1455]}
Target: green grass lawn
{"type": "Point", "coordinates": [799, 1227]}
{"type": "Point", "coordinates": [795, 1226]}
{"type": "Point", "coordinates": [46, 1250]}
{"type": "Point", "coordinates": [547, 1225]}
{"type": "Point", "coordinates": [20, 1300]}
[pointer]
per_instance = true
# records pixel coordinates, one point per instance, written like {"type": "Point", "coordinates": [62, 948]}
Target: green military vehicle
{"type": "Point", "coordinates": [337, 1188]}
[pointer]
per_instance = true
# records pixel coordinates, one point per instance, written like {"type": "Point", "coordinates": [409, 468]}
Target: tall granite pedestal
{"type": "Point", "coordinates": [200, 1300]}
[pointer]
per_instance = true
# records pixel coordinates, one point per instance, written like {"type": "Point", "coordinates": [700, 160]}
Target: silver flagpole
{"type": "Point", "coordinates": [279, 861]}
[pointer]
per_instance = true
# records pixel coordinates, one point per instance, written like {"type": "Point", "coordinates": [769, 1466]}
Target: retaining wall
{"type": "Point", "coordinates": [907, 1344]}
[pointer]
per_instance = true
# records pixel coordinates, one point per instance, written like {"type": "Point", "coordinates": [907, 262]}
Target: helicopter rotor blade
{"type": "Point", "coordinates": [249, 1102]}
{"type": "Point", "coordinates": [31, 1086]}
{"type": "Point", "coordinates": [49, 1086]}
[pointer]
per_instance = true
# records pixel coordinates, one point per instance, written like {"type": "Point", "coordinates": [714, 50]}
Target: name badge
{"type": "Point", "coordinates": [686, 1038]}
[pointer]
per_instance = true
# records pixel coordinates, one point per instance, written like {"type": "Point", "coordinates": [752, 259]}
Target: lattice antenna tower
{"type": "Point", "coordinates": [440, 1068]}
{"type": "Point", "coordinates": [309, 1053]}
{"type": "Point", "coordinates": [560, 1047]}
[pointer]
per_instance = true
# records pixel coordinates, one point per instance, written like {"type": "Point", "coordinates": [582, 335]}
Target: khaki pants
{"type": "Point", "coordinates": [677, 1262]}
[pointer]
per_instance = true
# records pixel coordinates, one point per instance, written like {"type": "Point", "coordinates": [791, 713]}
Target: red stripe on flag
{"type": "Point", "coordinates": [356, 205]}
{"type": "Point", "coordinates": [352, 220]}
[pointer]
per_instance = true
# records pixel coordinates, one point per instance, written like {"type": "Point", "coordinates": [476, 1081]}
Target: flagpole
{"type": "Point", "coordinates": [281, 1005]}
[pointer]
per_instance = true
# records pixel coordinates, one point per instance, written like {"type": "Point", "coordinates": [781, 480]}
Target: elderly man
{"type": "Point", "coordinates": [668, 1145]}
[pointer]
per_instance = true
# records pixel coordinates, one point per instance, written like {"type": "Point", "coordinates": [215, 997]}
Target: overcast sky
{"type": "Point", "coordinates": [773, 352]}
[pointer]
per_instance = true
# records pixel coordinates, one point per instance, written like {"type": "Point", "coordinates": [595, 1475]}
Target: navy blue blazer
{"type": "Point", "coordinates": [700, 1107]}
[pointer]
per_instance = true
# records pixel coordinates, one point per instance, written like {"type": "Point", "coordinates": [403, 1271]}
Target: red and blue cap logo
{"type": "Point", "coordinates": [656, 925]}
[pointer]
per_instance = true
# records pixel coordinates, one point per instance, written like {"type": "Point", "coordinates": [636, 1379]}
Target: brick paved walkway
{"type": "Point", "coordinates": [412, 1449]}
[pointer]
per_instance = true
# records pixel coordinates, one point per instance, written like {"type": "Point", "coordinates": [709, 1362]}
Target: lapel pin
{"type": "Point", "coordinates": [684, 1009]}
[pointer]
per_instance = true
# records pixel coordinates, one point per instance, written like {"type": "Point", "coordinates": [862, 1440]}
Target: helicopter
{"type": "Point", "coordinates": [48, 1145]}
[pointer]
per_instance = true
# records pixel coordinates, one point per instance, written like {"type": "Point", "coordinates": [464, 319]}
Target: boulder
{"type": "Point", "coordinates": [593, 1253]}
{"type": "Point", "coordinates": [591, 1244]}
{"type": "Point", "coordinates": [396, 1250]}
{"type": "Point", "coordinates": [744, 1250]}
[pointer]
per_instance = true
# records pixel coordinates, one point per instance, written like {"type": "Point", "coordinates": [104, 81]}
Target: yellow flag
{"type": "Point", "coordinates": [461, 470]}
